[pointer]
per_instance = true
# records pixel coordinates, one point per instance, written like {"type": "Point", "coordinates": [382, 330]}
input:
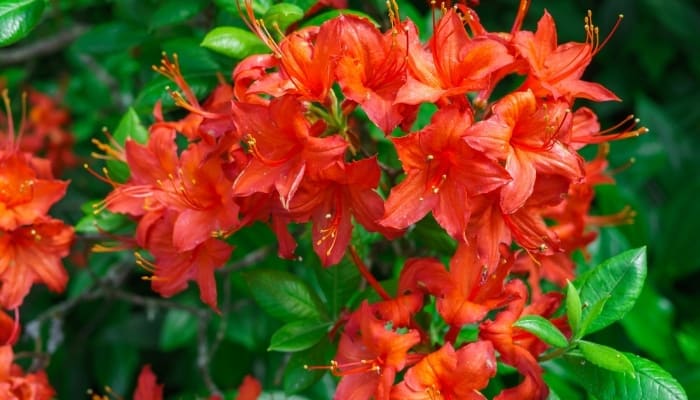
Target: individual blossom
{"type": "Point", "coordinates": [334, 196]}
{"type": "Point", "coordinates": [372, 68]}
{"type": "Point", "coordinates": [465, 293]}
{"type": "Point", "coordinates": [15, 384]}
{"type": "Point", "coordinates": [555, 70]}
{"type": "Point", "coordinates": [369, 356]}
{"type": "Point", "coordinates": [442, 173]}
{"type": "Point", "coordinates": [172, 269]}
{"type": "Point", "coordinates": [284, 148]}
{"type": "Point", "coordinates": [449, 374]}
{"type": "Point", "coordinates": [452, 65]}
{"type": "Point", "coordinates": [32, 254]}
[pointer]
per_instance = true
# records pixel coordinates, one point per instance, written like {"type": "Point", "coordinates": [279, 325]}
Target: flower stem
{"type": "Point", "coordinates": [368, 275]}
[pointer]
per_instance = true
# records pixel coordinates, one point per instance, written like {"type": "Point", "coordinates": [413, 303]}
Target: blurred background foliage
{"type": "Point", "coordinates": [95, 57]}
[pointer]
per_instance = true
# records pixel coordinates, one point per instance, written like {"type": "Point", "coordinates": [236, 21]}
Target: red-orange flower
{"type": "Point", "coordinates": [556, 70]}
{"type": "Point", "coordinates": [15, 384]}
{"type": "Point", "coordinates": [449, 375]}
{"type": "Point", "coordinates": [27, 189]}
{"type": "Point", "coordinates": [452, 65]}
{"type": "Point", "coordinates": [147, 388]}
{"type": "Point", "coordinates": [32, 254]}
{"type": "Point", "coordinates": [284, 148]}
{"type": "Point", "coordinates": [369, 356]}
{"type": "Point", "coordinates": [531, 135]}
{"type": "Point", "coordinates": [336, 194]}
{"type": "Point", "coordinates": [442, 173]}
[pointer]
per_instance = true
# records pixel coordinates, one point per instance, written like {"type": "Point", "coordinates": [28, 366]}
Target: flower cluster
{"type": "Point", "coordinates": [501, 175]}
{"type": "Point", "coordinates": [32, 243]}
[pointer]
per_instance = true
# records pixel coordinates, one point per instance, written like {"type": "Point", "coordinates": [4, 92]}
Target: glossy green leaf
{"type": "Point", "coordinates": [620, 278]}
{"type": "Point", "coordinates": [282, 15]}
{"type": "Point", "coordinates": [233, 42]}
{"type": "Point", "coordinates": [605, 357]}
{"type": "Point", "coordinates": [339, 283]}
{"type": "Point", "coordinates": [284, 296]}
{"type": "Point", "coordinates": [18, 18]}
{"type": "Point", "coordinates": [649, 381]}
{"type": "Point", "coordinates": [298, 335]}
{"type": "Point", "coordinates": [110, 37]}
{"type": "Point", "coordinates": [651, 306]}
{"type": "Point", "coordinates": [179, 329]}
{"type": "Point", "coordinates": [573, 308]}
{"type": "Point", "coordinates": [175, 11]}
{"type": "Point", "coordinates": [543, 329]}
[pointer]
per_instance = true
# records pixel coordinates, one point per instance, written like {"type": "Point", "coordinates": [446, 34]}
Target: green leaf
{"type": "Point", "coordinates": [339, 283]}
{"type": "Point", "coordinates": [605, 357]}
{"type": "Point", "coordinates": [648, 382]}
{"type": "Point", "coordinates": [175, 11]}
{"type": "Point", "coordinates": [179, 329]}
{"type": "Point", "coordinates": [283, 15]}
{"type": "Point", "coordinates": [110, 37]}
{"type": "Point", "coordinates": [284, 296]}
{"type": "Point", "coordinates": [234, 42]}
{"type": "Point", "coordinates": [298, 335]}
{"type": "Point", "coordinates": [18, 18]}
{"type": "Point", "coordinates": [297, 377]}
{"type": "Point", "coordinates": [573, 308]}
{"type": "Point", "coordinates": [543, 329]}
{"type": "Point", "coordinates": [620, 279]}
{"type": "Point", "coordinates": [248, 328]}
{"type": "Point", "coordinates": [115, 366]}
{"type": "Point", "coordinates": [651, 306]}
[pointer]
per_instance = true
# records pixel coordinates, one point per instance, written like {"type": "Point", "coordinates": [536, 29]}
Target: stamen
{"type": "Point", "coordinates": [593, 32]}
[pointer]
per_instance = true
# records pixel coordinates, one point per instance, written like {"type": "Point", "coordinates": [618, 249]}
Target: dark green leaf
{"type": "Point", "coordinates": [297, 377]}
{"type": "Point", "coordinates": [620, 278]}
{"type": "Point", "coordinates": [284, 296]}
{"type": "Point", "coordinates": [648, 382]}
{"type": "Point", "coordinates": [282, 15]}
{"type": "Point", "coordinates": [179, 328]}
{"type": "Point", "coordinates": [605, 357]}
{"type": "Point", "coordinates": [249, 328]}
{"type": "Point", "coordinates": [339, 283]}
{"type": "Point", "coordinates": [18, 18]}
{"type": "Point", "coordinates": [233, 42]}
{"type": "Point", "coordinates": [651, 306]}
{"type": "Point", "coordinates": [175, 11]}
{"type": "Point", "coordinates": [110, 37]}
{"type": "Point", "coordinates": [115, 365]}
{"type": "Point", "coordinates": [298, 335]}
{"type": "Point", "coordinates": [573, 308]}
{"type": "Point", "coordinates": [543, 329]}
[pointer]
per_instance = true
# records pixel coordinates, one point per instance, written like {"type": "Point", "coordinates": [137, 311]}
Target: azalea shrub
{"type": "Point", "coordinates": [326, 199]}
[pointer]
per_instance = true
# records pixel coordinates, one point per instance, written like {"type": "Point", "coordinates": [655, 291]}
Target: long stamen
{"type": "Point", "coordinates": [593, 32]}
